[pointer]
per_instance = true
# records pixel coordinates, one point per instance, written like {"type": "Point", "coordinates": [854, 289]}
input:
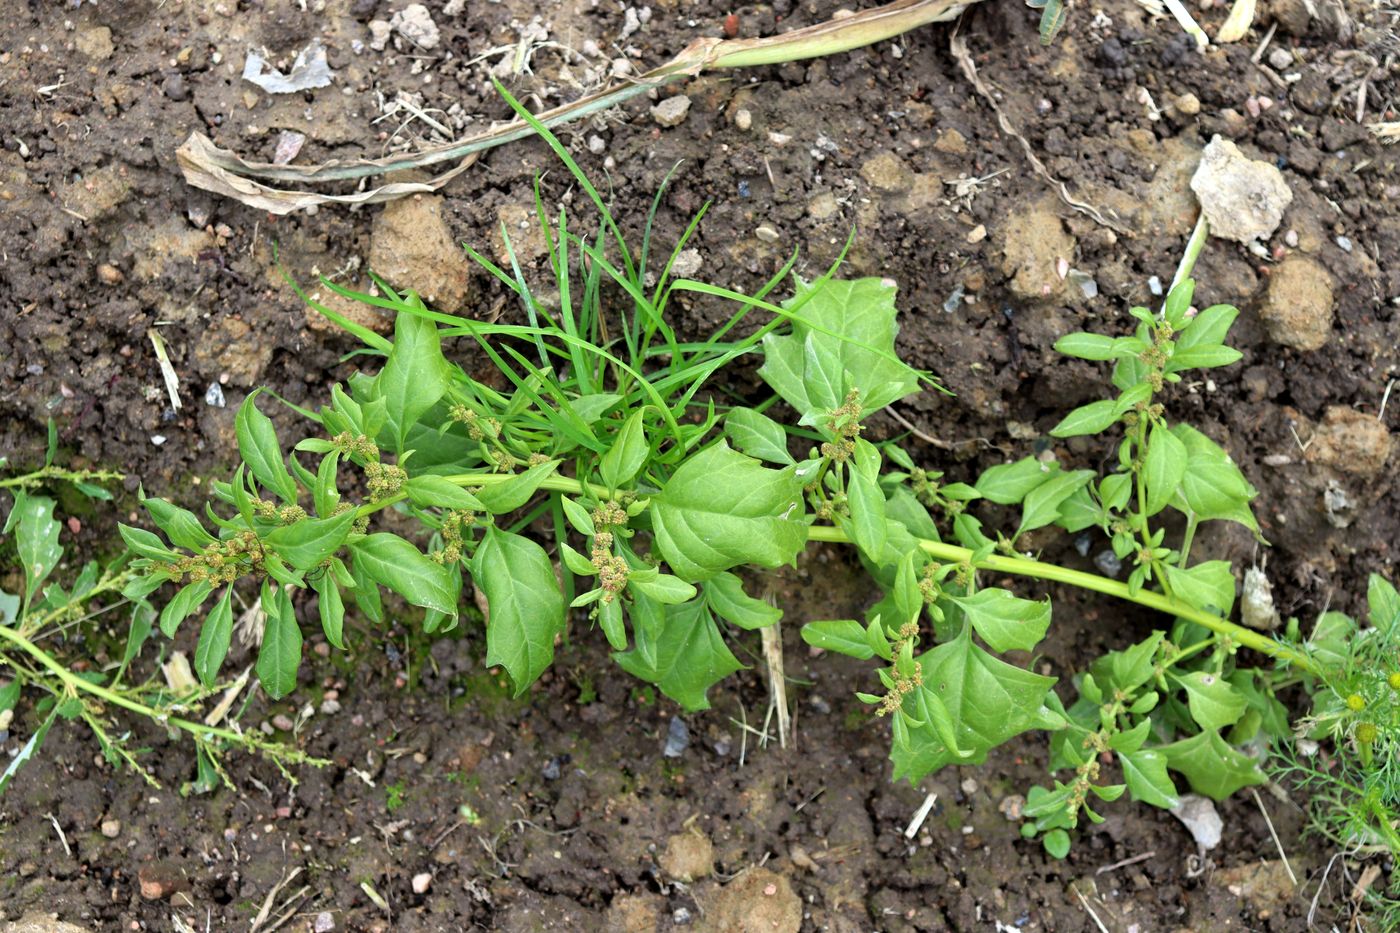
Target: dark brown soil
{"type": "Point", "coordinates": [573, 805]}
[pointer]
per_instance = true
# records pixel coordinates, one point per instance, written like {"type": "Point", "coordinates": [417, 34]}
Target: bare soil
{"type": "Point", "coordinates": [574, 819]}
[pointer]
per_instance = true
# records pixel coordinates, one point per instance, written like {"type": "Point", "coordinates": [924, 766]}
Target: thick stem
{"type": "Point", "coordinates": [1199, 235]}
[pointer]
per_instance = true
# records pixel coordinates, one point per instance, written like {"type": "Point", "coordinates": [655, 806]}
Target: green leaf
{"type": "Point", "coordinates": [661, 587]}
{"type": "Point", "coordinates": [181, 526]}
{"type": "Point", "coordinates": [867, 518]}
{"type": "Point", "coordinates": [365, 592]}
{"type": "Point", "coordinates": [721, 509]}
{"type": "Point", "coordinates": [842, 338]}
{"type": "Point", "coordinates": [576, 562]}
{"type": "Point", "coordinates": [1209, 585]}
{"type": "Point", "coordinates": [516, 491]}
{"type": "Point", "coordinates": [1202, 358]}
{"type": "Point", "coordinates": [724, 592]}
{"type": "Point", "coordinates": [1009, 483]}
{"type": "Point", "coordinates": [1087, 419]}
{"type": "Point", "coordinates": [689, 653]}
{"type": "Point", "coordinates": [843, 636]}
{"type": "Point", "coordinates": [36, 540]}
{"type": "Point", "coordinates": [436, 492]}
{"type": "Point", "coordinates": [1213, 487]}
{"type": "Point", "coordinates": [1145, 772]}
{"type": "Point", "coordinates": [1041, 505]}
{"type": "Point", "coordinates": [1005, 621]}
{"type": "Point", "coordinates": [578, 516]}
{"type": "Point", "coordinates": [1179, 302]}
{"type": "Point", "coordinates": [1214, 704]}
{"type": "Point", "coordinates": [331, 608]}
{"type": "Point", "coordinates": [1384, 604]}
{"type": "Point", "coordinates": [1056, 843]}
{"type": "Point", "coordinates": [627, 454]}
{"type": "Point", "coordinates": [1163, 467]}
{"type": "Point", "coordinates": [214, 639]}
{"type": "Point", "coordinates": [1210, 766]}
{"type": "Point", "coordinates": [261, 451]}
{"type": "Point", "coordinates": [9, 695]}
{"type": "Point", "coordinates": [757, 435]}
{"type": "Point", "coordinates": [395, 563]}
{"type": "Point", "coordinates": [414, 377]}
{"type": "Point", "coordinates": [1086, 346]}
{"type": "Point", "coordinates": [140, 541]}
{"type": "Point", "coordinates": [187, 600]}
{"type": "Point", "coordinates": [526, 606]}
{"type": "Point", "coordinates": [988, 701]}
{"type": "Point", "coordinates": [310, 541]}
{"type": "Point", "coordinates": [1207, 329]}
{"type": "Point", "coordinates": [610, 621]}
{"type": "Point", "coordinates": [280, 655]}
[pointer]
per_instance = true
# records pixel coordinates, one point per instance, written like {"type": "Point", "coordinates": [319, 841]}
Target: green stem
{"type": "Point", "coordinates": [1025, 567]}
{"type": "Point", "coordinates": [74, 682]}
{"type": "Point", "coordinates": [1192, 522]}
{"type": "Point", "coordinates": [1199, 236]}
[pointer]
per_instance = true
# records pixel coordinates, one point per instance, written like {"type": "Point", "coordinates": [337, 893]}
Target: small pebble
{"type": "Point", "coordinates": [330, 707]}
{"type": "Point", "coordinates": [969, 786]}
{"type": "Point", "coordinates": [681, 916]}
{"type": "Point", "coordinates": [677, 738]}
{"type": "Point", "coordinates": [422, 882]}
{"type": "Point", "coordinates": [1012, 806]}
{"type": "Point", "coordinates": [767, 233]}
{"type": "Point", "coordinates": [109, 274]}
{"type": "Point", "coordinates": [1280, 59]}
{"type": "Point", "coordinates": [1188, 104]}
{"type": "Point", "coordinates": [743, 119]}
{"type": "Point", "coordinates": [324, 922]}
{"type": "Point", "coordinates": [111, 828]}
{"type": "Point", "coordinates": [597, 145]}
{"type": "Point", "coordinates": [1154, 285]}
{"type": "Point", "coordinates": [1344, 243]}
{"type": "Point", "coordinates": [1108, 562]}
{"type": "Point", "coordinates": [671, 111]}
{"type": "Point", "coordinates": [977, 234]}
{"type": "Point", "coordinates": [214, 395]}
{"type": "Point", "coordinates": [158, 439]}
{"type": "Point", "coordinates": [283, 722]}
{"type": "Point", "coordinates": [550, 771]}
{"type": "Point", "coordinates": [1291, 238]}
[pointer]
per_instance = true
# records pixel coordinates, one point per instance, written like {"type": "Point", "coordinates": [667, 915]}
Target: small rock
{"type": "Point", "coordinates": [969, 786]}
{"type": "Point", "coordinates": [1109, 563]}
{"type": "Point", "coordinates": [951, 142]}
{"type": "Point", "coordinates": [422, 882]}
{"type": "Point", "coordinates": [1297, 308]}
{"type": "Point", "coordinates": [324, 922]}
{"type": "Point", "coordinates": [758, 899]}
{"type": "Point", "coordinates": [689, 856]}
{"type": "Point", "coordinates": [886, 172]}
{"type": "Point", "coordinates": [214, 396]}
{"type": "Point", "coordinates": [176, 87]}
{"type": "Point", "coordinates": [1292, 16]}
{"type": "Point", "coordinates": [823, 206]}
{"type": "Point", "coordinates": [1012, 806]}
{"type": "Point", "coordinates": [767, 233]}
{"type": "Point", "coordinates": [1198, 815]}
{"type": "Point", "coordinates": [550, 771]}
{"type": "Point", "coordinates": [677, 738]}
{"type": "Point", "coordinates": [158, 881]}
{"type": "Point", "coordinates": [977, 234]}
{"type": "Point", "coordinates": [1290, 239]}
{"type": "Point", "coordinates": [109, 274]}
{"type": "Point", "coordinates": [412, 247]}
{"type": "Point", "coordinates": [111, 828]}
{"type": "Point", "coordinates": [1264, 884]}
{"type": "Point", "coordinates": [1344, 244]}
{"type": "Point", "coordinates": [1279, 59]}
{"type": "Point", "coordinates": [379, 32]}
{"type": "Point", "coordinates": [96, 43]}
{"type": "Point", "coordinates": [1188, 104]}
{"type": "Point", "coordinates": [40, 922]}
{"type": "Point", "coordinates": [1257, 601]}
{"type": "Point", "coordinates": [330, 707]}
{"type": "Point", "coordinates": [687, 263]}
{"type": "Point", "coordinates": [633, 913]}
{"type": "Point", "coordinates": [416, 25]}
{"type": "Point", "coordinates": [743, 119]}
{"type": "Point", "coordinates": [283, 723]}
{"type": "Point", "coordinates": [671, 111]}
{"type": "Point", "coordinates": [1033, 250]}
{"type": "Point", "coordinates": [597, 145]}
{"type": "Point", "coordinates": [1244, 199]}
{"type": "Point", "coordinates": [1350, 441]}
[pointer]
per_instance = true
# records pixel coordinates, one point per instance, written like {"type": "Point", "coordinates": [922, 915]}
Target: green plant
{"type": "Point", "coordinates": [653, 493]}
{"type": "Point", "coordinates": [1346, 754]}
{"type": "Point", "coordinates": [43, 615]}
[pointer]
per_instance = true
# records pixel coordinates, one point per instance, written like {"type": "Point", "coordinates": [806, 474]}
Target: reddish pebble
{"type": "Point", "coordinates": [731, 25]}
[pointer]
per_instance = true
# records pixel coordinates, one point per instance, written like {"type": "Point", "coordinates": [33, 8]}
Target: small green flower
{"type": "Point", "coordinates": [1394, 680]}
{"type": "Point", "coordinates": [1366, 733]}
{"type": "Point", "coordinates": [1355, 703]}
